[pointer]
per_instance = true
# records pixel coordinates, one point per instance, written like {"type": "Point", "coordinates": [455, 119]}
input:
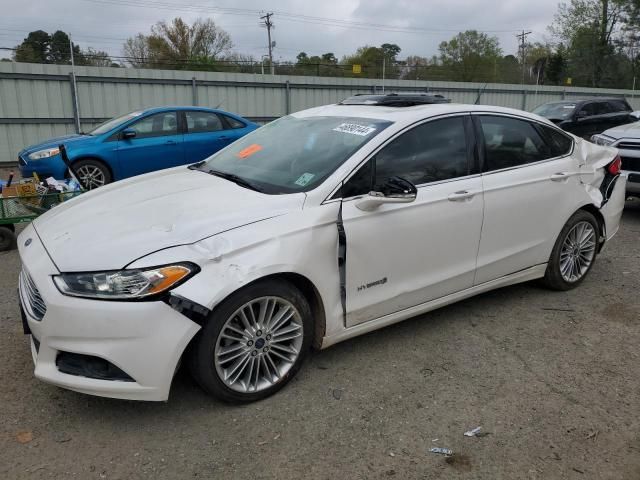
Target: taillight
{"type": "Point", "coordinates": [614, 167]}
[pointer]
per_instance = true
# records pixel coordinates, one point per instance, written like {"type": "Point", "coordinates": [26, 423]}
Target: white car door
{"type": "Point", "coordinates": [528, 179]}
{"type": "Point", "coordinates": [402, 255]}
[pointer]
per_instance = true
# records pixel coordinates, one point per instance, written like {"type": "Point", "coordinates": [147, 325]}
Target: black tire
{"type": "Point", "coordinates": [553, 278]}
{"type": "Point", "coordinates": [95, 165]}
{"type": "Point", "coordinates": [201, 354]}
{"type": "Point", "coordinates": [7, 239]}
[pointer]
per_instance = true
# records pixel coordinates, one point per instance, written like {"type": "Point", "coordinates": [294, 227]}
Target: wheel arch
{"type": "Point", "coordinates": [96, 159]}
{"type": "Point", "coordinates": [595, 211]}
{"type": "Point", "coordinates": [311, 294]}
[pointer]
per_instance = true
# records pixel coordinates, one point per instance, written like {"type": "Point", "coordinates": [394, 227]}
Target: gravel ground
{"type": "Point", "coordinates": [551, 377]}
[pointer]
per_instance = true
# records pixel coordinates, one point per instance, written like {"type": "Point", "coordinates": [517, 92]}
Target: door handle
{"type": "Point", "coordinates": [559, 177]}
{"type": "Point", "coordinates": [461, 196]}
{"type": "Point", "coordinates": [170, 142]}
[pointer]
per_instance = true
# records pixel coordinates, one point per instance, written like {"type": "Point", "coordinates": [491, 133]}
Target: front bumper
{"type": "Point", "coordinates": [143, 339]}
{"type": "Point", "coordinates": [45, 167]}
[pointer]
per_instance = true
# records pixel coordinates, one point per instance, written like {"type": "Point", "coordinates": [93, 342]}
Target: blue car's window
{"type": "Point", "coordinates": [233, 123]}
{"type": "Point", "coordinates": [294, 154]}
{"type": "Point", "coordinates": [156, 125]}
{"type": "Point", "coordinates": [113, 123]}
{"type": "Point", "coordinates": [198, 122]}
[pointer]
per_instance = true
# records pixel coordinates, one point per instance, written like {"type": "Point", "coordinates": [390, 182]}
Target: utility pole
{"type": "Point", "coordinates": [269, 25]}
{"type": "Point", "coordinates": [74, 86]}
{"type": "Point", "coordinates": [523, 47]}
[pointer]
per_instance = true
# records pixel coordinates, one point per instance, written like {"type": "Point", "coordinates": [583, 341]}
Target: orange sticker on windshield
{"type": "Point", "coordinates": [250, 150]}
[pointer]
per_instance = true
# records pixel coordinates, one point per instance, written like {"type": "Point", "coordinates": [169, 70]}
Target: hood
{"type": "Point", "coordinates": [630, 130]}
{"type": "Point", "coordinates": [54, 142]}
{"type": "Point", "coordinates": [108, 228]}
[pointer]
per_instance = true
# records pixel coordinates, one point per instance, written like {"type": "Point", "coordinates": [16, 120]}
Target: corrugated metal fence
{"type": "Point", "coordinates": [38, 102]}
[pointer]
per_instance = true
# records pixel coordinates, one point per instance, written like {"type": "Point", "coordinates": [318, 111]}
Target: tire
{"type": "Point", "coordinates": [92, 173]}
{"type": "Point", "coordinates": [235, 367]}
{"type": "Point", "coordinates": [585, 227]}
{"type": "Point", "coordinates": [7, 239]}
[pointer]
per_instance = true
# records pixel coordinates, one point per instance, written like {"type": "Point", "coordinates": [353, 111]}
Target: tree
{"type": "Point", "coordinates": [371, 59]}
{"type": "Point", "coordinates": [390, 51]}
{"type": "Point", "coordinates": [557, 66]}
{"type": "Point", "coordinates": [34, 48]}
{"type": "Point", "coordinates": [471, 56]}
{"type": "Point", "coordinates": [589, 28]}
{"type": "Point", "coordinates": [179, 44]}
{"type": "Point", "coordinates": [40, 47]}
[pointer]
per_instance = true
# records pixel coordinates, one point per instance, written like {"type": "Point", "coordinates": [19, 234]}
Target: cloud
{"type": "Point", "coordinates": [105, 26]}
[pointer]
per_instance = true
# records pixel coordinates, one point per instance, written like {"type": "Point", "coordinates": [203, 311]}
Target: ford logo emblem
{"type": "Point", "coordinates": [27, 242]}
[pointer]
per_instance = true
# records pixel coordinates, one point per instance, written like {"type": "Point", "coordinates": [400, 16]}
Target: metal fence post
{"type": "Point", "coordinates": [74, 101]}
{"type": "Point", "coordinates": [287, 97]}
{"type": "Point", "coordinates": [524, 100]}
{"type": "Point", "coordinates": [564, 94]}
{"type": "Point", "coordinates": [194, 91]}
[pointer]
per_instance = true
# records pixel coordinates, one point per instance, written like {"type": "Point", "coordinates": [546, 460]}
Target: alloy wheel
{"type": "Point", "coordinates": [91, 176]}
{"type": "Point", "coordinates": [578, 251]}
{"type": "Point", "coordinates": [258, 344]}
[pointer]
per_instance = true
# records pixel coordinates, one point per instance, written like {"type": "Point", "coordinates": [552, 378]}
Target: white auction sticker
{"type": "Point", "coordinates": [354, 129]}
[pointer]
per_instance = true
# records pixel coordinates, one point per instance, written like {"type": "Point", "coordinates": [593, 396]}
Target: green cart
{"type": "Point", "coordinates": [14, 210]}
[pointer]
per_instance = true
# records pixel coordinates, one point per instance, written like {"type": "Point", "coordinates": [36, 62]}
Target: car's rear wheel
{"type": "Point", "coordinates": [7, 239]}
{"type": "Point", "coordinates": [253, 343]}
{"type": "Point", "coordinates": [92, 173]}
{"type": "Point", "coordinates": [574, 252]}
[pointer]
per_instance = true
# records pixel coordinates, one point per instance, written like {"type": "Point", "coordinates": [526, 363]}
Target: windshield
{"type": "Point", "coordinates": [293, 154]}
{"type": "Point", "coordinates": [556, 110]}
{"type": "Point", "coordinates": [113, 123]}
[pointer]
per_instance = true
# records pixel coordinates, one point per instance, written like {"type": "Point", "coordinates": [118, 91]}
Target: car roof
{"type": "Point", "coordinates": [181, 107]}
{"type": "Point", "coordinates": [408, 115]}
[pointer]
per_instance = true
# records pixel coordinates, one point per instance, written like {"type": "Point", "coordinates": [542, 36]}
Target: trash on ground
{"type": "Point", "coordinates": [442, 451]}
{"type": "Point", "coordinates": [24, 437]}
{"type": "Point", "coordinates": [472, 433]}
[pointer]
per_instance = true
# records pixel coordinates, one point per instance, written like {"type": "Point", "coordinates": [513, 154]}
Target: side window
{"type": "Point", "coordinates": [233, 123]}
{"type": "Point", "coordinates": [430, 152]}
{"type": "Point", "coordinates": [589, 109]}
{"type": "Point", "coordinates": [199, 122]}
{"type": "Point", "coordinates": [603, 107]}
{"type": "Point", "coordinates": [360, 183]}
{"type": "Point", "coordinates": [620, 106]}
{"type": "Point", "coordinates": [510, 142]}
{"type": "Point", "coordinates": [156, 125]}
{"type": "Point", "coordinates": [560, 143]}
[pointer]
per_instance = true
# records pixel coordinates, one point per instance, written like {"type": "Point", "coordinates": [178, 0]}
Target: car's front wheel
{"type": "Point", "coordinates": [92, 173]}
{"type": "Point", "coordinates": [253, 343]}
{"type": "Point", "coordinates": [574, 252]}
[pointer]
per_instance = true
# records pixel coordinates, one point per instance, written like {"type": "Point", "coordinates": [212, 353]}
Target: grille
{"type": "Point", "coordinates": [628, 146]}
{"type": "Point", "coordinates": [36, 305]}
{"type": "Point", "coordinates": [631, 164]}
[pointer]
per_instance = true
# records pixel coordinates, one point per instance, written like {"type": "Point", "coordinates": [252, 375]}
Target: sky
{"type": "Point", "coordinates": [312, 26]}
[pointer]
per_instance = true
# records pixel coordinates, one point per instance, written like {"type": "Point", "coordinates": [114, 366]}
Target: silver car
{"type": "Point", "coordinates": [626, 138]}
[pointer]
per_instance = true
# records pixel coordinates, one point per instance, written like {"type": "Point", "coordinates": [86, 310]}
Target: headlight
{"type": "Point", "coordinates": [49, 152]}
{"type": "Point", "coordinates": [135, 284]}
{"type": "Point", "coordinates": [600, 140]}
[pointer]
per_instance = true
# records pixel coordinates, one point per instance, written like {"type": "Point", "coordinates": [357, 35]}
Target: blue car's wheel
{"type": "Point", "coordinates": [92, 173]}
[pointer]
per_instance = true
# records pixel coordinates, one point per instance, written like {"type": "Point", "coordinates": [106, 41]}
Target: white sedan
{"type": "Point", "coordinates": [318, 227]}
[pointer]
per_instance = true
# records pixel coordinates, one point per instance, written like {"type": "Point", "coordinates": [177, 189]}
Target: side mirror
{"type": "Point", "coordinates": [582, 114]}
{"type": "Point", "coordinates": [394, 190]}
{"type": "Point", "coordinates": [127, 133]}
{"type": "Point", "coordinates": [634, 116]}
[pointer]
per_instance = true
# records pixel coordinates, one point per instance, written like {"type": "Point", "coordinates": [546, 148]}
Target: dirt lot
{"type": "Point", "coordinates": [551, 377]}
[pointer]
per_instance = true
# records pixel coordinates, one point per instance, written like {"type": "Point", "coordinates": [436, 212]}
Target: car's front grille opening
{"type": "Point", "coordinates": [35, 304]}
{"type": "Point", "coordinates": [631, 164]}
{"type": "Point", "coordinates": [90, 367]}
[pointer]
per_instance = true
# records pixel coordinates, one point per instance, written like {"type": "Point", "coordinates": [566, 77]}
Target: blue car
{"type": "Point", "coordinates": [136, 143]}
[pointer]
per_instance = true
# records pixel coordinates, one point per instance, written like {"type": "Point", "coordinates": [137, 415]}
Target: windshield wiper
{"type": "Point", "coordinates": [235, 179]}
{"type": "Point", "coordinates": [196, 166]}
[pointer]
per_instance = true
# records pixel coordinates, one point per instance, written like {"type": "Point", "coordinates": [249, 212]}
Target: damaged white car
{"type": "Point", "coordinates": [318, 227]}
